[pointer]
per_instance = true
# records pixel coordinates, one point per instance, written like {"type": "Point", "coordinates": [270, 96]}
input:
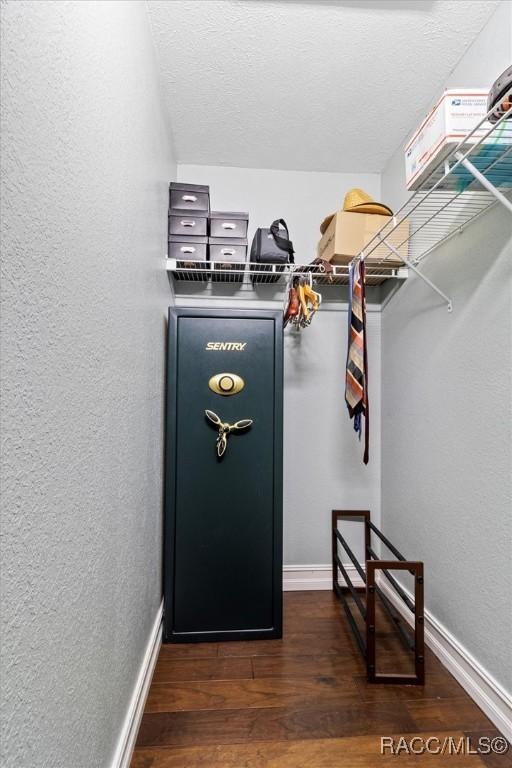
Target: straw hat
{"type": "Point", "coordinates": [358, 201]}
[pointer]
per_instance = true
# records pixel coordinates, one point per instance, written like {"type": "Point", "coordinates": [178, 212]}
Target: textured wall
{"type": "Point", "coordinates": [446, 437]}
{"type": "Point", "coordinates": [446, 383]}
{"type": "Point", "coordinates": [323, 466]}
{"type": "Point", "coordinates": [85, 160]}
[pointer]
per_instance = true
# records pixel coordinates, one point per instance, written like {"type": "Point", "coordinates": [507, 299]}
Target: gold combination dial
{"type": "Point", "coordinates": [226, 384]}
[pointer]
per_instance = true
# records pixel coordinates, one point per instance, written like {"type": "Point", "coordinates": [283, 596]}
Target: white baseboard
{"type": "Point", "coordinates": [302, 578]}
{"type": "Point", "coordinates": [476, 681]}
{"type": "Point", "coordinates": [126, 742]}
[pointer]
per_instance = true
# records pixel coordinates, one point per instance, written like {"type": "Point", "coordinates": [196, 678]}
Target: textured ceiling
{"type": "Point", "coordinates": [332, 86]}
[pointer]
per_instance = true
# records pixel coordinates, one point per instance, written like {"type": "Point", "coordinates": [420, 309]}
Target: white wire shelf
{"type": "Point", "coordinates": [472, 179]}
{"type": "Point", "coordinates": [251, 274]}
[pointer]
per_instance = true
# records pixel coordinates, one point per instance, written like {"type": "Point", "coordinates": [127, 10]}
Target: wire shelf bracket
{"type": "Point", "coordinates": [447, 299]}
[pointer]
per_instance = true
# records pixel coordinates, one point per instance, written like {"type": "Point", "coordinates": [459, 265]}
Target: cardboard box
{"type": "Point", "coordinates": [455, 115]}
{"type": "Point", "coordinates": [348, 233]}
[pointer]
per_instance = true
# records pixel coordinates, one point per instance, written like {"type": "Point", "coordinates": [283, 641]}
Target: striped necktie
{"type": "Point", "coordinates": [356, 383]}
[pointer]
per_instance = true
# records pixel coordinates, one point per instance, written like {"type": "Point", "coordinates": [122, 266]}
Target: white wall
{"type": "Point", "coordinates": [323, 466]}
{"type": "Point", "coordinates": [446, 383]}
{"type": "Point", "coordinates": [302, 198]}
{"type": "Point", "coordinates": [85, 166]}
{"type": "Point", "coordinates": [446, 437]}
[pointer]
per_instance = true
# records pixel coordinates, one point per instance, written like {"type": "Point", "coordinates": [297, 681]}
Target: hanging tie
{"type": "Point", "coordinates": [356, 383]}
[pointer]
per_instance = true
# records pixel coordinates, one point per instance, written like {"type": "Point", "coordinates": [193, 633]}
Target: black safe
{"type": "Point", "coordinates": [223, 514]}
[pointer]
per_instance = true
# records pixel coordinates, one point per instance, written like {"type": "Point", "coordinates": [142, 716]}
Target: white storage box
{"type": "Point", "coordinates": [456, 113]}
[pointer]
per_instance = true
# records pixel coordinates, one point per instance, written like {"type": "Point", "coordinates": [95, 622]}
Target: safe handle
{"type": "Point", "coordinates": [242, 424]}
{"type": "Point", "coordinates": [213, 418]}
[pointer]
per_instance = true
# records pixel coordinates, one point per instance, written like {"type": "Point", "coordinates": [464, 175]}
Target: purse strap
{"type": "Point", "coordinates": [284, 243]}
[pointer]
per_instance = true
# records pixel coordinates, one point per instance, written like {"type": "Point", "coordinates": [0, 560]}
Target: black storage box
{"type": "Point", "coordinates": [225, 224]}
{"type": "Point", "coordinates": [188, 197]}
{"type": "Point", "coordinates": [188, 223]}
{"type": "Point", "coordinates": [229, 255]}
{"type": "Point", "coordinates": [228, 251]}
{"type": "Point", "coordinates": [189, 251]}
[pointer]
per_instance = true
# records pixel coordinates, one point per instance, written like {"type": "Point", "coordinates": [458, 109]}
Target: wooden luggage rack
{"type": "Point", "coordinates": [414, 642]}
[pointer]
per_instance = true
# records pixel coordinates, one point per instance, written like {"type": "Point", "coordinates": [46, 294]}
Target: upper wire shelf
{"type": "Point", "coordinates": [469, 181]}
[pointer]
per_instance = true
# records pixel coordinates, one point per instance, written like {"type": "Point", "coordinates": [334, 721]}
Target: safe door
{"type": "Point", "coordinates": [223, 517]}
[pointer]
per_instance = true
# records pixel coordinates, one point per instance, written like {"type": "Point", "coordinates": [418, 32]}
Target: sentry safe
{"type": "Point", "coordinates": [223, 507]}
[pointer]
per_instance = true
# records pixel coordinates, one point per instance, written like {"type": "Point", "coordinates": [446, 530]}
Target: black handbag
{"type": "Point", "coordinates": [273, 245]}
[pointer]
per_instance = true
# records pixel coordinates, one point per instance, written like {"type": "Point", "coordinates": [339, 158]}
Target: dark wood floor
{"type": "Point", "coordinates": [299, 702]}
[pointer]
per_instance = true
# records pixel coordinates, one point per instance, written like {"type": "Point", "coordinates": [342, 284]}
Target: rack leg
{"type": "Point", "coordinates": [419, 621]}
{"type": "Point", "coordinates": [334, 552]}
